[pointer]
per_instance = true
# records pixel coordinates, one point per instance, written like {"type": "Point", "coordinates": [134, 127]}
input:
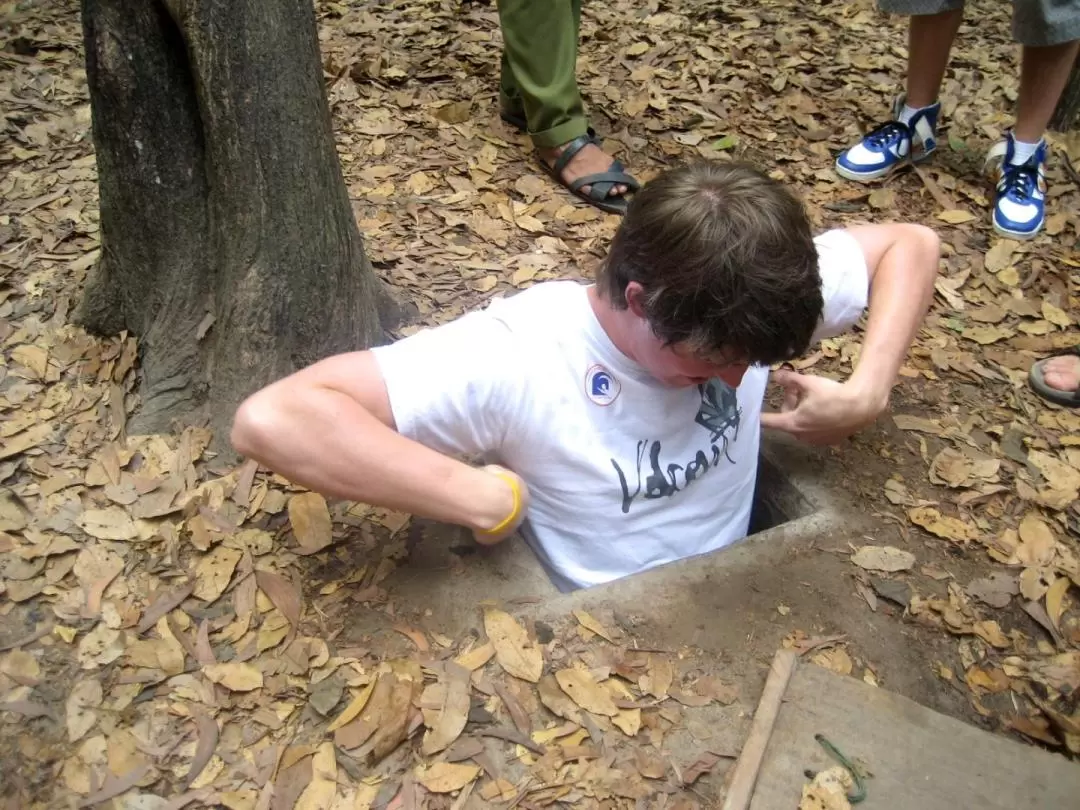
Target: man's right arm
{"type": "Point", "coordinates": [330, 428]}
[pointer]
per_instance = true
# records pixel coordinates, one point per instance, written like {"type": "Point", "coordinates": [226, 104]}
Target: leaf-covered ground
{"type": "Point", "coordinates": [169, 624]}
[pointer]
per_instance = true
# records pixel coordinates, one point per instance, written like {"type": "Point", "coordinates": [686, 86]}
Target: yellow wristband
{"type": "Point", "coordinates": [510, 519]}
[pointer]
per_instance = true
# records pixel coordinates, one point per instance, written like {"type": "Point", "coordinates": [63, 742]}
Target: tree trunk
{"type": "Point", "coordinates": [229, 245]}
{"type": "Point", "coordinates": [1067, 114]}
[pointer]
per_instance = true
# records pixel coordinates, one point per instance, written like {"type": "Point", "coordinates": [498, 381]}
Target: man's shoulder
{"type": "Point", "coordinates": [507, 326]}
{"type": "Point", "coordinates": [839, 255]}
{"type": "Point", "coordinates": [835, 239]}
{"type": "Point", "coordinates": [545, 298]}
{"type": "Point", "coordinates": [542, 311]}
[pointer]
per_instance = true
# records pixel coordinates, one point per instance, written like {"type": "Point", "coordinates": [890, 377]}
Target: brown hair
{"type": "Point", "coordinates": [727, 261]}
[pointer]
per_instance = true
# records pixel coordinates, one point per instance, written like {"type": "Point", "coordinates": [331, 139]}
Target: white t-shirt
{"type": "Point", "coordinates": [625, 473]}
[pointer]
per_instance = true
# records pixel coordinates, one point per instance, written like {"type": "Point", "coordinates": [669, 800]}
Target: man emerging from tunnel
{"type": "Point", "coordinates": [619, 421]}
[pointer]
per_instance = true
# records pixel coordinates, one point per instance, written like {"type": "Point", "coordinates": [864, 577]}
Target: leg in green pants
{"type": "Point", "coordinates": [539, 62]}
{"type": "Point", "coordinates": [539, 85]}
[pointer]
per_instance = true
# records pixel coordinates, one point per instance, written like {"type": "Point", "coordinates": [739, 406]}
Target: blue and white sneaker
{"type": "Point", "coordinates": [1020, 204]}
{"type": "Point", "coordinates": [892, 145]}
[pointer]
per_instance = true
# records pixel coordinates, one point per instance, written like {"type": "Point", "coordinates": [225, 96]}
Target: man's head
{"type": "Point", "coordinates": [718, 264]}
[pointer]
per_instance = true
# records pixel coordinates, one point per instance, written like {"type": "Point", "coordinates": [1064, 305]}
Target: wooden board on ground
{"type": "Point", "coordinates": [920, 760]}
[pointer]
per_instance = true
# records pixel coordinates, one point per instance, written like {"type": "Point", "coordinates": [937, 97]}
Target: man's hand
{"type": "Point", "coordinates": [817, 410]}
{"type": "Point", "coordinates": [503, 503]}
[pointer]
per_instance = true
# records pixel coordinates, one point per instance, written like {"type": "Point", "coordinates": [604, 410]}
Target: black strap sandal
{"type": "Point", "coordinates": [1037, 381]}
{"type": "Point", "coordinates": [602, 183]}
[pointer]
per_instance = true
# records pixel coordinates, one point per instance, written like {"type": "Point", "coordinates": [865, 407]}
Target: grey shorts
{"type": "Point", "coordinates": [1035, 22]}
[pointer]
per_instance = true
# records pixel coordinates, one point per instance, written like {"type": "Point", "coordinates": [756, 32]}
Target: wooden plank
{"type": "Point", "coordinates": [920, 760]}
{"type": "Point", "coordinates": [746, 771]}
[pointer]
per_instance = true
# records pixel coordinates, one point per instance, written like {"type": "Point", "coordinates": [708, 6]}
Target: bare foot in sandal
{"type": "Point", "coordinates": [1057, 379]}
{"type": "Point", "coordinates": [1062, 373]}
{"type": "Point", "coordinates": [590, 160]}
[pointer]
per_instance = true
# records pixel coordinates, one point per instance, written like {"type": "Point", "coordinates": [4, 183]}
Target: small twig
{"type": "Point", "coordinates": [514, 736]}
{"type": "Point", "coordinates": [522, 793]}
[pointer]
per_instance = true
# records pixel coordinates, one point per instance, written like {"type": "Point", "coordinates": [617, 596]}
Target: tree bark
{"type": "Point", "coordinates": [229, 245]}
{"type": "Point", "coordinates": [1067, 113]}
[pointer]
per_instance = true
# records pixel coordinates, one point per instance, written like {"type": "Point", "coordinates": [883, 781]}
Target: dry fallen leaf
{"type": "Point", "coordinates": [944, 526]}
{"type": "Point", "coordinates": [956, 216]}
{"type": "Point", "coordinates": [112, 523]}
{"type": "Point", "coordinates": [715, 689]}
{"type": "Point", "coordinates": [1037, 541]}
{"type": "Point", "coordinates": [321, 790]}
{"type": "Point", "coordinates": [477, 656]}
{"type": "Point", "coordinates": [835, 659]}
{"type": "Point", "coordinates": [204, 751]}
{"type": "Point", "coordinates": [283, 593]}
{"type": "Point", "coordinates": [583, 689]}
{"type": "Point", "coordinates": [649, 765]}
{"type": "Point", "coordinates": [1000, 254]}
{"type": "Point", "coordinates": [882, 198]}
{"type": "Point", "coordinates": [917, 423]}
{"type": "Point", "coordinates": [85, 696]}
{"type": "Point", "coordinates": [353, 709]}
{"type": "Point", "coordinates": [589, 623]}
{"type": "Point", "coordinates": [456, 112]}
{"type": "Point", "coordinates": [419, 183]}
{"type": "Point", "coordinates": [446, 777]}
{"type": "Point", "coordinates": [990, 632]}
{"type": "Point", "coordinates": [997, 590]}
{"type": "Point", "coordinates": [557, 701]}
{"type": "Point", "coordinates": [985, 335]}
{"type": "Point", "coordinates": [310, 521]}
{"type": "Point", "coordinates": [96, 567]}
{"type": "Point", "coordinates": [628, 720]}
{"type": "Point", "coordinates": [657, 680]}
{"type": "Point", "coordinates": [452, 714]}
{"type": "Point", "coordinates": [235, 676]}
{"type": "Point", "coordinates": [1056, 316]}
{"type": "Point", "coordinates": [22, 667]}
{"type": "Point", "coordinates": [992, 681]}
{"type": "Point", "coordinates": [214, 571]}
{"type": "Point", "coordinates": [1055, 600]}
{"type": "Point", "coordinates": [883, 558]}
{"type": "Point", "coordinates": [702, 765]}
{"type": "Point", "coordinates": [514, 651]}
{"type": "Point", "coordinates": [384, 722]}
{"type": "Point", "coordinates": [1034, 582]}
{"type": "Point", "coordinates": [100, 646]}
{"type": "Point", "coordinates": [1063, 480]}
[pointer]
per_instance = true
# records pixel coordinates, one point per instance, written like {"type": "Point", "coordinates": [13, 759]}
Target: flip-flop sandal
{"type": "Point", "coordinates": [602, 183]}
{"type": "Point", "coordinates": [1037, 381]}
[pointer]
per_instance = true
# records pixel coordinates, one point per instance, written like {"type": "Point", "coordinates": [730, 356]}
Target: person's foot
{"type": "Point", "coordinates": [907, 137]}
{"type": "Point", "coordinates": [1020, 204]}
{"type": "Point", "coordinates": [1057, 379]}
{"type": "Point", "coordinates": [1062, 373]}
{"type": "Point", "coordinates": [591, 159]}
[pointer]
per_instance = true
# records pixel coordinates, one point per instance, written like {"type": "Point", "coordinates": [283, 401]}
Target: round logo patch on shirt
{"type": "Point", "coordinates": [601, 386]}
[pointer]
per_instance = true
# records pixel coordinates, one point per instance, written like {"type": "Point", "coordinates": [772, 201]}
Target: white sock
{"type": "Point", "coordinates": [907, 113]}
{"type": "Point", "coordinates": [1023, 151]}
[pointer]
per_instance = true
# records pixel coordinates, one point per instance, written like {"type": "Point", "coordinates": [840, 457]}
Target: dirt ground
{"type": "Point", "coordinates": [178, 632]}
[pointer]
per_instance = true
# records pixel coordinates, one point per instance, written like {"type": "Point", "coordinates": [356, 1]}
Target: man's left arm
{"type": "Point", "coordinates": [902, 264]}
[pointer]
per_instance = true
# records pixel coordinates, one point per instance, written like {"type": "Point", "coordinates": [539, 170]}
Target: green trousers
{"type": "Point", "coordinates": [539, 62]}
